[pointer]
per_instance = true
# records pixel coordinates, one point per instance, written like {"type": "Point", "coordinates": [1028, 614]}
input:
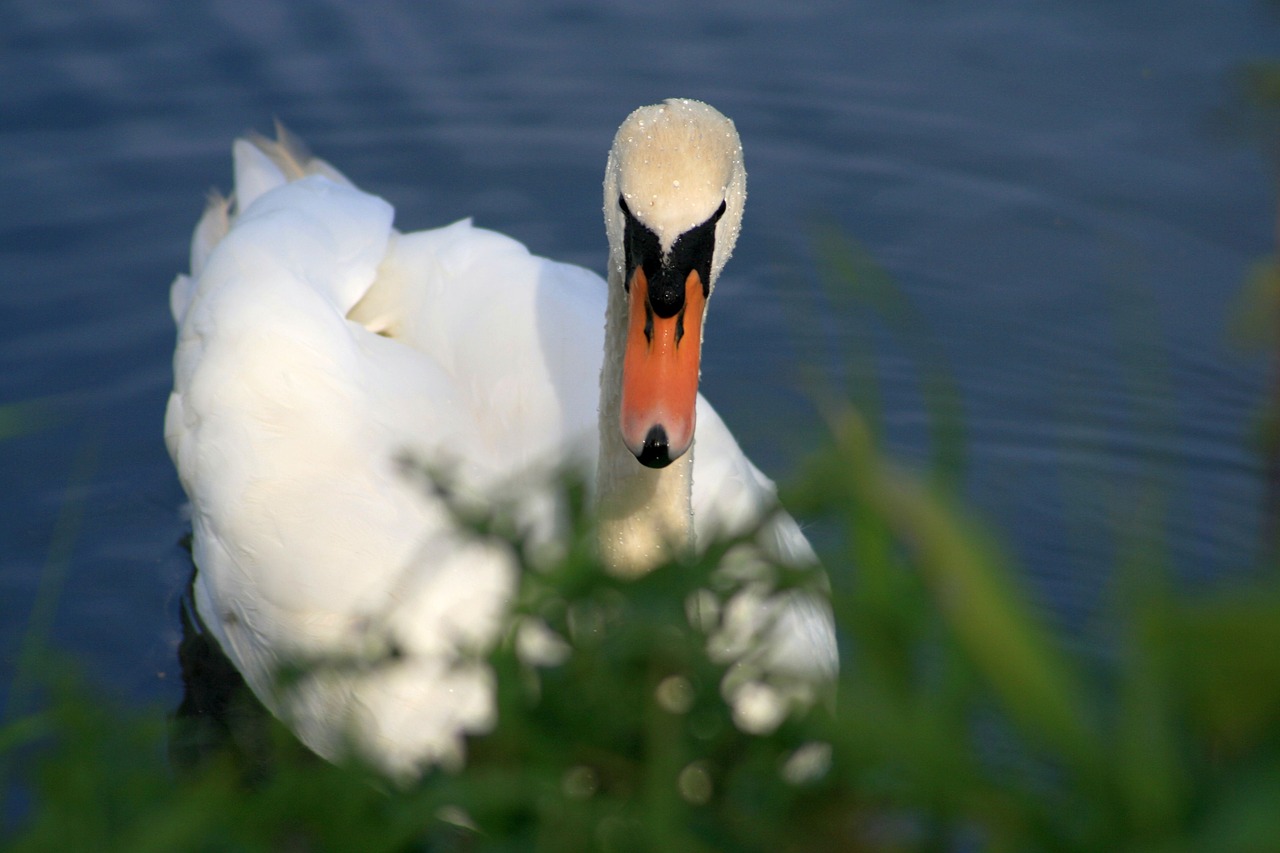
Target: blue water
{"type": "Point", "coordinates": [1059, 188]}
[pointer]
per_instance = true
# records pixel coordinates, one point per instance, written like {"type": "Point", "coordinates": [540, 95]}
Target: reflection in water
{"type": "Point", "coordinates": [219, 715]}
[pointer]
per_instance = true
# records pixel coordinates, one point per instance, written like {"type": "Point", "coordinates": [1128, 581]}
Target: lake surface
{"type": "Point", "coordinates": [1058, 188]}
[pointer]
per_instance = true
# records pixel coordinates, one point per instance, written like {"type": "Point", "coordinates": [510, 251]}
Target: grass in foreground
{"type": "Point", "coordinates": [956, 723]}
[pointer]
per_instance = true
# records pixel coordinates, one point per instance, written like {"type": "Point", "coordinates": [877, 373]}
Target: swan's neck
{"type": "Point", "coordinates": [645, 514]}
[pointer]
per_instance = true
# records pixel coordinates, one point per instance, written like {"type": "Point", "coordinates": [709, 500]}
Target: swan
{"type": "Point", "coordinates": [317, 345]}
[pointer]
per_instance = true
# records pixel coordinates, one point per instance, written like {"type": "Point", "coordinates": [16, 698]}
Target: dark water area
{"type": "Point", "coordinates": [1060, 189]}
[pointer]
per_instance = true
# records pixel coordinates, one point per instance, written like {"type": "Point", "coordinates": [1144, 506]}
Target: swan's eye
{"type": "Point", "coordinates": [694, 249]}
{"type": "Point", "coordinates": [640, 245]}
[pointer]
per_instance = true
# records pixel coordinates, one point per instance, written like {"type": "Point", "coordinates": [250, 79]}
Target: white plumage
{"type": "Point", "coordinates": [316, 347]}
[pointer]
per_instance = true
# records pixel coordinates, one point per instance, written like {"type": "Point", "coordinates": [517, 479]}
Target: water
{"type": "Point", "coordinates": [1054, 185]}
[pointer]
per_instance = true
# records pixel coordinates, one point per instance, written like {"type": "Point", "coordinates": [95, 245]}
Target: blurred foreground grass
{"type": "Point", "coordinates": [956, 722]}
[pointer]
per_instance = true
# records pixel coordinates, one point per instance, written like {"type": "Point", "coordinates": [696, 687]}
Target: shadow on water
{"type": "Point", "coordinates": [219, 715]}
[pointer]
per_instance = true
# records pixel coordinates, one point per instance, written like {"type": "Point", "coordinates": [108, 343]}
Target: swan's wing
{"type": "Point", "coordinates": [521, 335]}
{"type": "Point", "coordinates": [285, 424]}
{"type": "Point", "coordinates": [731, 497]}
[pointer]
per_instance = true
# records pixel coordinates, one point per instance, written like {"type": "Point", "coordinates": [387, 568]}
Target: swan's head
{"type": "Point", "coordinates": [674, 190]}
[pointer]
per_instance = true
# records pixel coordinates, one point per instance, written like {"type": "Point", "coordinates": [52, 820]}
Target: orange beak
{"type": "Point", "coordinates": [660, 373]}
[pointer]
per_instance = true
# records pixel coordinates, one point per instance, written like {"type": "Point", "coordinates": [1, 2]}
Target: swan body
{"type": "Point", "coordinates": [317, 346]}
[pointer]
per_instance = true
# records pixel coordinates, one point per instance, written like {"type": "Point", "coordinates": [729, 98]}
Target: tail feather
{"type": "Point", "coordinates": [292, 157]}
{"type": "Point", "coordinates": [261, 164]}
{"type": "Point", "coordinates": [213, 226]}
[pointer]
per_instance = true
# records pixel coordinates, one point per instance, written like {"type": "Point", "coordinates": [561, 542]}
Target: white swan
{"type": "Point", "coordinates": [316, 345]}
